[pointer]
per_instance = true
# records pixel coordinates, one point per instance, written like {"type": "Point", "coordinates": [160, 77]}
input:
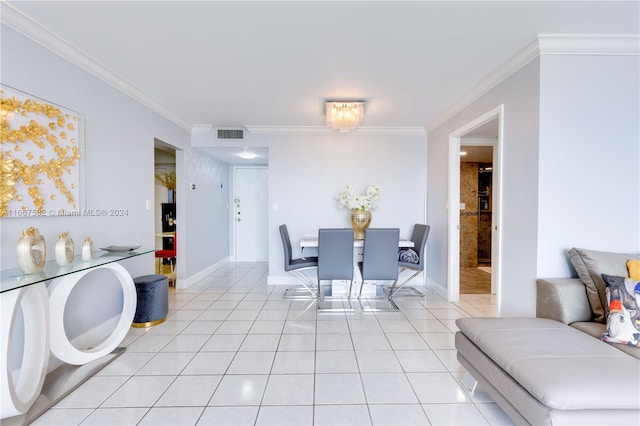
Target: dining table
{"type": "Point", "coordinates": [309, 248]}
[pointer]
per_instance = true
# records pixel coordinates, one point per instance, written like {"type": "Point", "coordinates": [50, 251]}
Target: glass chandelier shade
{"type": "Point", "coordinates": [344, 116]}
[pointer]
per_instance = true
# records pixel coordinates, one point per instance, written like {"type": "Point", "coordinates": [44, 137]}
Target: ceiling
{"type": "Point", "coordinates": [232, 64]}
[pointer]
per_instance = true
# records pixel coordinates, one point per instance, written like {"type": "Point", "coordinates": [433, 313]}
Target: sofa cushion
{"type": "Point", "coordinates": [633, 266]}
{"type": "Point", "coordinates": [590, 265]}
{"type": "Point", "coordinates": [561, 367]}
{"type": "Point", "coordinates": [623, 320]}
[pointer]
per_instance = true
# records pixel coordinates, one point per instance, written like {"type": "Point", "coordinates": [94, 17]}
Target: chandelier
{"type": "Point", "coordinates": [344, 116]}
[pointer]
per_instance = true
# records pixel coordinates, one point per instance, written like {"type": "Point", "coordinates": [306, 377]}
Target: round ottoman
{"type": "Point", "coordinates": [153, 300]}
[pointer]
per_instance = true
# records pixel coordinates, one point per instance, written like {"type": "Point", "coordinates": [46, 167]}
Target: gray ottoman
{"type": "Point", "coordinates": [153, 300]}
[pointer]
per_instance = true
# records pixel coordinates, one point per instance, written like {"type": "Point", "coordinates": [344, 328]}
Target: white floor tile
{"type": "Point", "coordinates": [336, 362]}
{"type": "Point", "coordinates": [63, 416]}
{"type": "Point", "coordinates": [209, 363]}
{"type": "Point", "coordinates": [285, 415]}
{"type": "Point", "coordinates": [420, 362]}
{"type": "Point", "coordinates": [339, 389]}
{"type": "Point", "coordinates": [234, 352]}
{"type": "Point", "coordinates": [378, 362]}
{"type": "Point", "coordinates": [289, 389]}
{"type": "Point", "coordinates": [126, 364]}
{"type": "Point", "coordinates": [406, 341]}
{"type": "Point", "coordinates": [388, 388]}
{"type": "Point", "coordinates": [334, 342]}
{"type": "Point", "coordinates": [333, 415]}
{"type": "Point", "coordinates": [223, 342]}
{"type": "Point", "coordinates": [115, 416]}
{"type": "Point", "coordinates": [239, 390]}
{"type": "Point", "coordinates": [260, 342]}
{"type": "Point", "coordinates": [93, 392]}
{"type": "Point", "coordinates": [434, 388]}
{"type": "Point", "coordinates": [166, 363]}
{"type": "Point", "coordinates": [370, 342]}
{"type": "Point", "coordinates": [188, 391]}
{"type": "Point", "coordinates": [251, 363]}
{"type": "Point", "coordinates": [225, 416]}
{"type": "Point", "coordinates": [297, 342]}
{"type": "Point", "coordinates": [171, 416]}
{"type": "Point", "coordinates": [454, 414]}
{"type": "Point", "coordinates": [398, 414]}
{"type": "Point", "coordinates": [139, 391]}
{"type": "Point", "coordinates": [294, 362]}
{"type": "Point", "coordinates": [186, 343]}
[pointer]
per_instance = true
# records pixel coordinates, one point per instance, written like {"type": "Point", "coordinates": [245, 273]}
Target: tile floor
{"type": "Point", "coordinates": [233, 352]}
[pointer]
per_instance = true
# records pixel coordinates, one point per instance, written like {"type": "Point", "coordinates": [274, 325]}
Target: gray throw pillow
{"type": "Point", "coordinates": [590, 265]}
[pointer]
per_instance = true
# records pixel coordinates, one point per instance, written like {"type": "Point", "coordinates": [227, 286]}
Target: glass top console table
{"type": "Point", "coordinates": [11, 279]}
{"type": "Point", "coordinates": [41, 297]}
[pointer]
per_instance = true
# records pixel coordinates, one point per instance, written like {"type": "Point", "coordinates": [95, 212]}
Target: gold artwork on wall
{"type": "Point", "coordinates": [40, 157]}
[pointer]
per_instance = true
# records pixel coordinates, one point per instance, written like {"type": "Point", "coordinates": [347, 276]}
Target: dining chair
{"type": "Point", "coordinates": [380, 257]}
{"type": "Point", "coordinates": [407, 261]}
{"type": "Point", "coordinates": [335, 262]}
{"type": "Point", "coordinates": [170, 255]}
{"type": "Point", "coordinates": [294, 267]}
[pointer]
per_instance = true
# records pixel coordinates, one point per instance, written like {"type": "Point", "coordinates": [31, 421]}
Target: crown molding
{"type": "Point", "coordinates": [201, 128]}
{"type": "Point", "coordinates": [322, 130]}
{"type": "Point", "coordinates": [589, 44]}
{"type": "Point", "coordinates": [546, 44]}
{"type": "Point", "coordinates": [26, 26]}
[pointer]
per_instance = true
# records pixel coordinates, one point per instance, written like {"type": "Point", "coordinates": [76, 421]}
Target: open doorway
{"type": "Point", "coordinates": [476, 191]}
{"type": "Point", "coordinates": [474, 207]}
{"type": "Point", "coordinates": [165, 211]}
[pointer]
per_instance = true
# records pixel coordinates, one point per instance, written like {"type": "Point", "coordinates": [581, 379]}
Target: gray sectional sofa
{"type": "Point", "coordinates": [555, 369]}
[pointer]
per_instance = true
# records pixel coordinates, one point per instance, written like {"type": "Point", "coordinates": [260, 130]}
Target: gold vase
{"type": "Point", "coordinates": [360, 220]}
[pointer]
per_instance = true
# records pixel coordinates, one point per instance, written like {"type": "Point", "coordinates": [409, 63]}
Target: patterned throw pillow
{"type": "Point", "coordinates": [623, 322]}
{"type": "Point", "coordinates": [408, 255]}
{"type": "Point", "coordinates": [633, 266]}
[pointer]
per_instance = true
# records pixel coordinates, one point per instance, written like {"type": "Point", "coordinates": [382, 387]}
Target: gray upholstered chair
{"type": "Point", "coordinates": [335, 260]}
{"type": "Point", "coordinates": [419, 238]}
{"type": "Point", "coordinates": [294, 267]}
{"type": "Point", "coordinates": [380, 256]}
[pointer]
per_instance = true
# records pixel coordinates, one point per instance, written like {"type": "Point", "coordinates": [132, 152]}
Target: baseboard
{"type": "Point", "coordinates": [191, 280]}
{"type": "Point", "coordinates": [438, 288]}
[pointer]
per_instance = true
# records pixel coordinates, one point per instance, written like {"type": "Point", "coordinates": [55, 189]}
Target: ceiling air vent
{"type": "Point", "coordinates": [230, 134]}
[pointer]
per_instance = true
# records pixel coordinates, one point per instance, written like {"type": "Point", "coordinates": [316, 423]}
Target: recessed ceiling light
{"type": "Point", "coordinates": [463, 152]}
{"type": "Point", "coordinates": [247, 155]}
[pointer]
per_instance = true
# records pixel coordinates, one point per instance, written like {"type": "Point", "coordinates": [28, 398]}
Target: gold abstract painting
{"type": "Point", "coordinates": [40, 157]}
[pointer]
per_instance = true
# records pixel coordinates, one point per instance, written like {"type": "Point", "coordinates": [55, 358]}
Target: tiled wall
{"type": "Point", "coordinates": [469, 216]}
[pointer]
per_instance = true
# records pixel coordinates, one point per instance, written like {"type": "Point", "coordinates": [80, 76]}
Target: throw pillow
{"type": "Point", "coordinates": [633, 266]}
{"type": "Point", "coordinates": [408, 255]}
{"type": "Point", "coordinates": [590, 265]}
{"type": "Point", "coordinates": [623, 322]}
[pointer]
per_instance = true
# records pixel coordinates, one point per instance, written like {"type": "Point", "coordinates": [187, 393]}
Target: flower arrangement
{"type": "Point", "coordinates": [168, 180]}
{"type": "Point", "coordinates": [367, 201]}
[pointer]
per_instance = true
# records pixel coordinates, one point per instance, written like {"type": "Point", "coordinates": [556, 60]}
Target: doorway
{"type": "Point", "coordinates": [476, 192]}
{"type": "Point", "coordinates": [164, 208]}
{"type": "Point", "coordinates": [485, 130]}
{"type": "Point", "coordinates": [250, 214]}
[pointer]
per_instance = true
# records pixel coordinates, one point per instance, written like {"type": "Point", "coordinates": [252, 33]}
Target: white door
{"type": "Point", "coordinates": [250, 208]}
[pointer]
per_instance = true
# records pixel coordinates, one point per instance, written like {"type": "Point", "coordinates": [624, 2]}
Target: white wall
{"type": "Point", "coordinates": [306, 171]}
{"type": "Point", "coordinates": [120, 136]}
{"type": "Point", "coordinates": [589, 182]}
{"type": "Point", "coordinates": [519, 94]}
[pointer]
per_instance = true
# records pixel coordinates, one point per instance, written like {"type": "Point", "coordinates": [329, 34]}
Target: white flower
{"type": "Point", "coordinates": [367, 201]}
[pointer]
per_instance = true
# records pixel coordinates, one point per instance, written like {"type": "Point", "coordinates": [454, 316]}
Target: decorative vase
{"type": "Point", "coordinates": [31, 251]}
{"type": "Point", "coordinates": [64, 249]}
{"type": "Point", "coordinates": [360, 220]}
{"type": "Point", "coordinates": [87, 250]}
